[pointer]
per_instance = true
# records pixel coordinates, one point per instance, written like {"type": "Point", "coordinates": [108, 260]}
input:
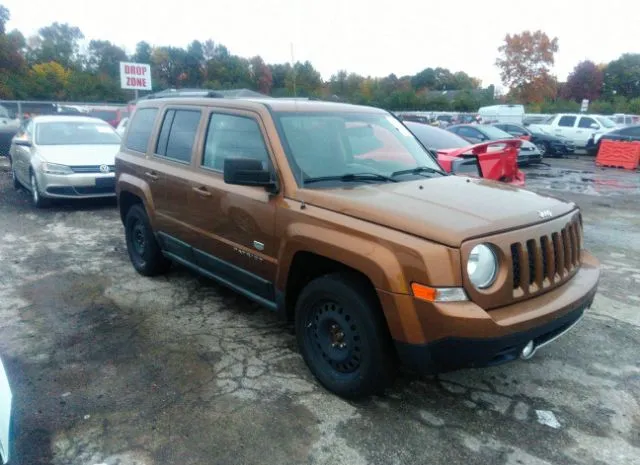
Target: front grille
{"type": "Point", "coordinates": [91, 169]}
{"type": "Point", "coordinates": [547, 260]}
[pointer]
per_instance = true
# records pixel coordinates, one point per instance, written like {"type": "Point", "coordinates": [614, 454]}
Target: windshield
{"type": "Point", "coordinates": [606, 122]}
{"type": "Point", "coordinates": [335, 144]}
{"type": "Point", "coordinates": [494, 133]}
{"type": "Point", "coordinates": [437, 139]}
{"type": "Point", "coordinates": [75, 133]}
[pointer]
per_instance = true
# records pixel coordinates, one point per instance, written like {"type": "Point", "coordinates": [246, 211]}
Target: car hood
{"type": "Point", "coordinates": [447, 210]}
{"type": "Point", "coordinates": [79, 155]}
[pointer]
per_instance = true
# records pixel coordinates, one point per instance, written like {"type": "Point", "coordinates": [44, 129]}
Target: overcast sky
{"type": "Point", "coordinates": [369, 37]}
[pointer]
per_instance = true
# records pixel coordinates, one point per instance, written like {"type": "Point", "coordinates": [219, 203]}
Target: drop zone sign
{"type": "Point", "coordinates": [135, 76]}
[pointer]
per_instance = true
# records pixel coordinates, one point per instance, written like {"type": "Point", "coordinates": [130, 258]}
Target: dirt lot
{"type": "Point", "coordinates": [111, 368]}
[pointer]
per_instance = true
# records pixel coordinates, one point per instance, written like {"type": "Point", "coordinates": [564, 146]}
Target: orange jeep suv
{"type": "Point", "coordinates": [338, 219]}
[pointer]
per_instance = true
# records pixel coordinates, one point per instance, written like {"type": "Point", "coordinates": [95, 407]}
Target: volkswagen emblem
{"type": "Point", "coordinates": [545, 214]}
{"type": "Point", "coordinates": [104, 168]}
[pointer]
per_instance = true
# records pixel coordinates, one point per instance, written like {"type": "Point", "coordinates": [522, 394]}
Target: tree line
{"type": "Point", "coordinates": [52, 66]}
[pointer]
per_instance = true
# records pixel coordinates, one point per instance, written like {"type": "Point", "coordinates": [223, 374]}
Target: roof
{"type": "Point", "coordinates": [63, 118]}
{"type": "Point", "coordinates": [275, 104]}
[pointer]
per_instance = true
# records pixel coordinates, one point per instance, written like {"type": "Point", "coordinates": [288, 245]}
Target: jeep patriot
{"type": "Point", "coordinates": [337, 218]}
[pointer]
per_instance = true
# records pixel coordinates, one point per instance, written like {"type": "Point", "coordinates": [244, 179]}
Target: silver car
{"type": "Point", "coordinates": [64, 157]}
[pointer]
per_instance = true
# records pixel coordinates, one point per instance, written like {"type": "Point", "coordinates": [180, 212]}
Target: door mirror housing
{"type": "Point", "coordinates": [595, 126]}
{"type": "Point", "coordinates": [247, 172]}
{"type": "Point", "coordinates": [22, 141]}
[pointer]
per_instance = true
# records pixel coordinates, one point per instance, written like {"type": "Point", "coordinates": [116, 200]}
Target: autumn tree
{"type": "Point", "coordinates": [584, 82]}
{"type": "Point", "coordinates": [525, 61]}
{"type": "Point", "coordinates": [261, 74]}
{"type": "Point", "coordinates": [104, 57]}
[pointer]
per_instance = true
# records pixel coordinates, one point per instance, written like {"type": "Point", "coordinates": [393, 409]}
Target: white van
{"type": "Point", "coordinates": [502, 114]}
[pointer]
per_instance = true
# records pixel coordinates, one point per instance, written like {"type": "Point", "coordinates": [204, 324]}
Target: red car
{"type": "Point", "coordinates": [497, 160]}
{"type": "Point", "coordinates": [111, 115]}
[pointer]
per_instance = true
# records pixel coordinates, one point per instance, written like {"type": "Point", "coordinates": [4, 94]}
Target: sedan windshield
{"type": "Point", "coordinates": [352, 147]}
{"type": "Point", "coordinates": [494, 133]}
{"type": "Point", "coordinates": [436, 138]}
{"type": "Point", "coordinates": [75, 133]}
{"type": "Point", "coordinates": [606, 122]}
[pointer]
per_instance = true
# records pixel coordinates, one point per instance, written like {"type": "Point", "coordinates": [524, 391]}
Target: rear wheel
{"type": "Point", "coordinates": [343, 336]}
{"type": "Point", "coordinates": [142, 246]}
{"type": "Point", "coordinates": [14, 178]}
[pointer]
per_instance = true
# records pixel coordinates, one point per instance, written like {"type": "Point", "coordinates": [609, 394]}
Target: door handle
{"type": "Point", "coordinates": [152, 176]}
{"type": "Point", "coordinates": [202, 191]}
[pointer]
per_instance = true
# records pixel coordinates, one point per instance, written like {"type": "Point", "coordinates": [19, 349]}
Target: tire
{"type": "Point", "coordinates": [544, 149]}
{"type": "Point", "coordinates": [142, 246]}
{"type": "Point", "coordinates": [343, 337]}
{"type": "Point", "coordinates": [14, 178]}
{"type": "Point", "coordinates": [36, 197]}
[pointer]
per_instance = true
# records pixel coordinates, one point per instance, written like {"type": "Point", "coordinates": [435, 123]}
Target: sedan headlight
{"type": "Point", "coordinates": [52, 168]}
{"type": "Point", "coordinates": [482, 266]}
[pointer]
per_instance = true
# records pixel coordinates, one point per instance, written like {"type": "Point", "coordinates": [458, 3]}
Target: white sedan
{"type": "Point", "coordinates": [64, 157]}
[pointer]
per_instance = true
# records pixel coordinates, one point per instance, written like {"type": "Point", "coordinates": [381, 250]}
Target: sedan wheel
{"type": "Point", "coordinates": [36, 198]}
{"type": "Point", "coordinates": [542, 147]}
{"type": "Point", "coordinates": [14, 178]}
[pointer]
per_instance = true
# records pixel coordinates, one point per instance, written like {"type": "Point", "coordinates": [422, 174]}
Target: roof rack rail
{"type": "Point", "coordinates": [205, 93]}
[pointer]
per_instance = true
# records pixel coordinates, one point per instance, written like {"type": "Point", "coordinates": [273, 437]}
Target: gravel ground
{"type": "Point", "coordinates": [109, 367]}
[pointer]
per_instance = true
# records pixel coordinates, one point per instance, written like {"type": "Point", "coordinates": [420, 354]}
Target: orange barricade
{"type": "Point", "coordinates": [618, 154]}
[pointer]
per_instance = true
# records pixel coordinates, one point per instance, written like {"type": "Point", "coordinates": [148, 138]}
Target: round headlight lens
{"type": "Point", "coordinates": [482, 266]}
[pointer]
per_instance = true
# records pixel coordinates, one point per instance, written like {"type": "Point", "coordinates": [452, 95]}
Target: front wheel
{"type": "Point", "coordinates": [36, 197]}
{"type": "Point", "coordinates": [14, 177]}
{"type": "Point", "coordinates": [543, 148]}
{"type": "Point", "coordinates": [343, 336]}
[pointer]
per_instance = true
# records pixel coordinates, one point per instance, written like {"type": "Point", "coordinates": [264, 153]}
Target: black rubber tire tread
{"type": "Point", "coordinates": [16, 183]}
{"type": "Point", "coordinates": [378, 367]}
{"type": "Point", "coordinates": [152, 262]}
{"type": "Point", "coordinates": [42, 201]}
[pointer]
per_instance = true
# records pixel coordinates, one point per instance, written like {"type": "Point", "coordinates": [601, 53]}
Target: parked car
{"type": "Point", "coordinates": [495, 161]}
{"type": "Point", "coordinates": [578, 128]}
{"type": "Point", "coordinates": [628, 133]}
{"type": "Point", "coordinates": [502, 114]}
{"type": "Point", "coordinates": [547, 143]}
{"type": "Point", "coordinates": [64, 157]}
{"type": "Point", "coordinates": [479, 133]}
{"type": "Point", "coordinates": [622, 120]}
{"type": "Point", "coordinates": [6, 419]}
{"type": "Point", "coordinates": [373, 260]}
{"type": "Point", "coordinates": [111, 115]}
{"type": "Point", "coordinates": [415, 118]}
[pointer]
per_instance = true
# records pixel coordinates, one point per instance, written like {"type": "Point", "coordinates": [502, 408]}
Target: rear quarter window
{"type": "Point", "coordinates": [140, 129]}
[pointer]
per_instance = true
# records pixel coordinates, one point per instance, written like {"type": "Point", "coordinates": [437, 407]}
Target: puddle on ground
{"type": "Point", "coordinates": [602, 182]}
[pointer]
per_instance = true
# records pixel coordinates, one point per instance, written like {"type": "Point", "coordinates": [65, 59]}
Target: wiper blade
{"type": "Point", "coordinates": [418, 170]}
{"type": "Point", "coordinates": [351, 177]}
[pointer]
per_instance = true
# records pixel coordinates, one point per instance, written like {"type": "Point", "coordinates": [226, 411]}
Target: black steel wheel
{"type": "Point", "coordinates": [144, 251]}
{"type": "Point", "coordinates": [343, 336]}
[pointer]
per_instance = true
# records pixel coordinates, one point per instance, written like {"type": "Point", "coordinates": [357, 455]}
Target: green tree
{"type": "Point", "coordinates": [58, 43]}
{"type": "Point", "coordinates": [105, 57]}
{"type": "Point", "coordinates": [143, 53]}
{"type": "Point", "coordinates": [622, 76]}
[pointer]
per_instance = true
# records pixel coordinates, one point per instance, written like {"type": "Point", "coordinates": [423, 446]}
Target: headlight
{"type": "Point", "coordinates": [52, 168]}
{"type": "Point", "coordinates": [482, 266]}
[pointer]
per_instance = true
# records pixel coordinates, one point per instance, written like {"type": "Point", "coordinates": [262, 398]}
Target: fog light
{"type": "Point", "coordinates": [528, 351]}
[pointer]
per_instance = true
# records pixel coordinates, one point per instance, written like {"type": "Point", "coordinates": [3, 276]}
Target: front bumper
{"type": "Point", "coordinates": [458, 335]}
{"type": "Point", "coordinates": [529, 158]}
{"type": "Point", "coordinates": [77, 185]}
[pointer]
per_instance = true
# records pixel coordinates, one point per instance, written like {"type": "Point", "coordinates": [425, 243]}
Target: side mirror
{"type": "Point", "coordinates": [22, 142]}
{"type": "Point", "coordinates": [247, 172]}
{"type": "Point", "coordinates": [595, 126]}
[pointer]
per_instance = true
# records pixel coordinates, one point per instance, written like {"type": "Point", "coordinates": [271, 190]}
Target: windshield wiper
{"type": "Point", "coordinates": [350, 177]}
{"type": "Point", "coordinates": [418, 170]}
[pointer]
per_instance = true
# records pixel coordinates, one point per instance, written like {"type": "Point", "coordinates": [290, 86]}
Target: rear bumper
{"type": "Point", "coordinates": [449, 336]}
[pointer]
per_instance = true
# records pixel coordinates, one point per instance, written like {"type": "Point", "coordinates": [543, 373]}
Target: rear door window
{"type": "Point", "coordinates": [178, 134]}
{"type": "Point", "coordinates": [140, 129]}
{"type": "Point", "coordinates": [567, 121]}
